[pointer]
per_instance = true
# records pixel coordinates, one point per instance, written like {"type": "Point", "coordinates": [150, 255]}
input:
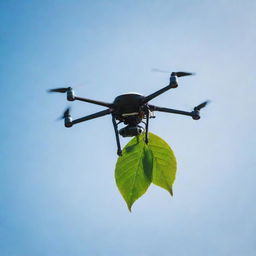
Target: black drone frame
{"type": "Point", "coordinates": [129, 109]}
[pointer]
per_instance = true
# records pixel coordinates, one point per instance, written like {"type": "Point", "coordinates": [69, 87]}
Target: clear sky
{"type": "Point", "coordinates": [57, 189]}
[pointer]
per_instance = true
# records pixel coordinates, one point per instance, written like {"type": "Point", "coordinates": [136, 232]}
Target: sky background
{"type": "Point", "coordinates": [57, 190]}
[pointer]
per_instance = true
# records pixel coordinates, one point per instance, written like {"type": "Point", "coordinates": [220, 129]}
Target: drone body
{"type": "Point", "coordinates": [131, 109]}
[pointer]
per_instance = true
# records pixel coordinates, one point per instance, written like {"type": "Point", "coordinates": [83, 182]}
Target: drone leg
{"type": "Point", "coordinates": [147, 121]}
{"type": "Point", "coordinates": [119, 151]}
{"type": "Point", "coordinates": [193, 114]}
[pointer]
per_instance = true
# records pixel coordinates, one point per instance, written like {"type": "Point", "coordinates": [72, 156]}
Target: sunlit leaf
{"type": "Point", "coordinates": [142, 164]}
{"type": "Point", "coordinates": [134, 170]}
{"type": "Point", "coordinates": [164, 163]}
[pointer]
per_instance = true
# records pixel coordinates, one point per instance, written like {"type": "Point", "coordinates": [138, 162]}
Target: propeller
{"type": "Point", "coordinates": [180, 74]}
{"type": "Point", "coordinates": [61, 90]}
{"type": "Point", "coordinates": [159, 70]}
{"type": "Point", "coordinates": [200, 106]}
{"type": "Point", "coordinates": [65, 114]}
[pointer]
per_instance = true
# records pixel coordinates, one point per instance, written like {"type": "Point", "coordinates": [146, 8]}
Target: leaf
{"type": "Point", "coordinates": [142, 164]}
{"type": "Point", "coordinates": [133, 171]}
{"type": "Point", "coordinates": [164, 163]}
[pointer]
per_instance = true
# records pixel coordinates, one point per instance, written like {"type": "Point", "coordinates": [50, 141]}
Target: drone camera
{"type": "Point", "coordinates": [130, 131]}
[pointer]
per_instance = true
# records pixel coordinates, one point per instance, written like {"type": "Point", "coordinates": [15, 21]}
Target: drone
{"type": "Point", "coordinates": [132, 109]}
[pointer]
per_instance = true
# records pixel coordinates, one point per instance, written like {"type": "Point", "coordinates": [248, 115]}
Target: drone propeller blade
{"type": "Point", "coordinates": [180, 74]}
{"type": "Point", "coordinates": [65, 114]}
{"type": "Point", "coordinates": [61, 90]}
{"type": "Point", "coordinates": [202, 105]}
{"type": "Point", "coordinates": [159, 70]}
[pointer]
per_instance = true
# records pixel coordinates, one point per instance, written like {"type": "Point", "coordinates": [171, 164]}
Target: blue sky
{"type": "Point", "coordinates": [57, 189]}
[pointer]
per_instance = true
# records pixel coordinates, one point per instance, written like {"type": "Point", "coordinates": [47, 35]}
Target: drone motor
{"type": "Point", "coordinates": [70, 94]}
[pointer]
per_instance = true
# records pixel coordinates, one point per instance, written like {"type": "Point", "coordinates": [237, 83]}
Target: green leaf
{"type": "Point", "coordinates": [164, 163]}
{"type": "Point", "coordinates": [133, 171]}
{"type": "Point", "coordinates": [142, 164]}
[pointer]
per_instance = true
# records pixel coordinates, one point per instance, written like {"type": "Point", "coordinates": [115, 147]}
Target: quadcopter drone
{"type": "Point", "coordinates": [131, 109]}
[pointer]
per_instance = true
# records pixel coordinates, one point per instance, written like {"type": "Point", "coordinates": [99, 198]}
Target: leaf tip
{"type": "Point", "coordinates": [129, 208]}
{"type": "Point", "coordinates": [171, 191]}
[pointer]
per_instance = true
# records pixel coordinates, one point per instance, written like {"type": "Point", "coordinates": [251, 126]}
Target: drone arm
{"type": "Point", "coordinates": [173, 84]}
{"type": "Point", "coordinates": [89, 117]}
{"type": "Point", "coordinates": [193, 114]}
{"type": "Point", "coordinates": [101, 103]}
{"type": "Point", "coordinates": [119, 150]}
